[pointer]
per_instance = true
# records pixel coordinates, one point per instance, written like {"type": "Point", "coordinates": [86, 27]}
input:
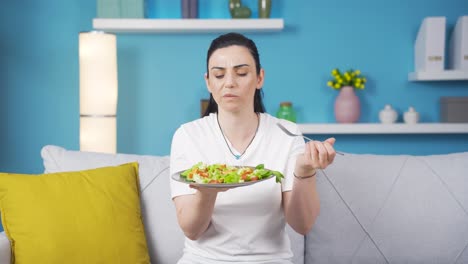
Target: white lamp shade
{"type": "Point", "coordinates": [98, 92]}
{"type": "Point", "coordinates": [98, 134]}
{"type": "Point", "coordinates": [98, 73]}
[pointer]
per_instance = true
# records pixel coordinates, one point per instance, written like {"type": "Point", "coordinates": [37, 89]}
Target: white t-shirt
{"type": "Point", "coordinates": [248, 223]}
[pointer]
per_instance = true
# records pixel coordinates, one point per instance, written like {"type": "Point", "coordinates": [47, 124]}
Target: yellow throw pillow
{"type": "Point", "coordinates": [90, 216]}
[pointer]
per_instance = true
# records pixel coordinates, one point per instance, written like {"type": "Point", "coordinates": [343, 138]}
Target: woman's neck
{"type": "Point", "coordinates": [239, 128]}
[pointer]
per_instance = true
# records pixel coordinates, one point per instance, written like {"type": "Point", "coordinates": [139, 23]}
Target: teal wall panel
{"type": "Point", "coordinates": [161, 75]}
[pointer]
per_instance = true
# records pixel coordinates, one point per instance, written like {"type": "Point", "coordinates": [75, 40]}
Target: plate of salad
{"type": "Point", "coordinates": [225, 176]}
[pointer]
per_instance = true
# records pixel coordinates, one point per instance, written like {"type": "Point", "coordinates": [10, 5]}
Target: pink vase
{"type": "Point", "coordinates": [347, 106]}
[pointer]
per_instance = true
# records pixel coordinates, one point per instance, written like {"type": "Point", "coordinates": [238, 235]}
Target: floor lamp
{"type": "Point", "coordinates": [98, 91]}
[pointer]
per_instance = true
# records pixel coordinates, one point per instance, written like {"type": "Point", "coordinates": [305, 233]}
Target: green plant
{"type": "Point", "coordinates": [348, 78]}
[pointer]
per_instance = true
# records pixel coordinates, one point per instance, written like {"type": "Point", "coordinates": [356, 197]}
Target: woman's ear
{"type": "Point", "coordinates": [260, 79]}
{"type": "Point", "coordinates": [207, 82]}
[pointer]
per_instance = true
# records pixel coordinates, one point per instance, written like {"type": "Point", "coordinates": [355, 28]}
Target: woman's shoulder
{"type": "Point", "coordinates": [198, 125]}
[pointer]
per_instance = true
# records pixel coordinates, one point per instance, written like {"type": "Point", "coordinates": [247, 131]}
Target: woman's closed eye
{"type": "Point", "coordinates": [241, 74]}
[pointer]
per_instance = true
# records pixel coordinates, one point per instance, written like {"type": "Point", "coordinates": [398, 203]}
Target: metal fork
{"type": "Point", "coordinates": [289, 133]}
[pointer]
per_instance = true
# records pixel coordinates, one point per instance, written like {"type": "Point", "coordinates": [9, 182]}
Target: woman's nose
{"type": "Point", "coordinates": [230, 80]}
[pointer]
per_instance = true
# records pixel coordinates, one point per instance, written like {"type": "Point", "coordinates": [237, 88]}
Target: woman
{"type": "Point", "coordinates": [244, 224]}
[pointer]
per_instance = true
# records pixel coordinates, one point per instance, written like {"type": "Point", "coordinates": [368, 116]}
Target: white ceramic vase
{"type": "Point", "coordinates": [388, 115]}
{"type": "Point", "coordinates": [411, 116]}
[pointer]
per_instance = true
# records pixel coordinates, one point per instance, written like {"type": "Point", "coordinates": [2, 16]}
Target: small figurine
{"type": "Point", "coordinates": [388, 115]}
{"type": "Point", "coordinates": [411, 116]}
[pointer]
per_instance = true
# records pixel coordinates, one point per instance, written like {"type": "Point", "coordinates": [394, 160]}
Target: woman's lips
{"type": "Point", "coordinates": [229, 95]}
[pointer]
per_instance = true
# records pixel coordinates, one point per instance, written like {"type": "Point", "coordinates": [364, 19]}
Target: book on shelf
{"type": "Point", "coordinates": [429, 48]}
{"type": "Point", "coordinates": [458, 45]}
{"type": "Point", "coordinates": [120, 8]}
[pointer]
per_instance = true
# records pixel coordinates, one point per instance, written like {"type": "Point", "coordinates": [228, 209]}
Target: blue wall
{"type": "Point", "coordinates": [161, 75]}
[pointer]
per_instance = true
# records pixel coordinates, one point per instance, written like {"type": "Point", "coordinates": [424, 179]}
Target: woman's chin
{"type": "Point", "coordinates": [232, 108]}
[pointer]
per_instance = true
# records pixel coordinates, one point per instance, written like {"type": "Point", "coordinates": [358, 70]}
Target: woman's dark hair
{"type": "Point", "coordinates": [231, 39]}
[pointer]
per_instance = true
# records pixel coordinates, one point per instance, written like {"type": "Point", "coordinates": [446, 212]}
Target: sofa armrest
{"type": "Point", "coordinates": [5, 250]}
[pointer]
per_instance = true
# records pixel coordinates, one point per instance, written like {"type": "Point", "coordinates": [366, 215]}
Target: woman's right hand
{"type": "Point", "coordinates": [194, 211]}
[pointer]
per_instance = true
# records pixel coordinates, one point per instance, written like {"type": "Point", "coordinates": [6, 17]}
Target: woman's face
{"type": "Point", "coordinates": [233, 79]}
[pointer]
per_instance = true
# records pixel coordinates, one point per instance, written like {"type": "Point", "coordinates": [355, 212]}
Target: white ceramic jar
{"type": "Point", "coordinates": [411, 116]}
{"type": "Point", "coordinates": [388, 115]}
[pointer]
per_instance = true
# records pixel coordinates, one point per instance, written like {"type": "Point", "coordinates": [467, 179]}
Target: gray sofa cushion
{"type": "Point", "coordinates": [5, 249]}
{"type": "Point", "coordinates": [392, 209]}
{"type": "Point", "coordinates": [297, 245]}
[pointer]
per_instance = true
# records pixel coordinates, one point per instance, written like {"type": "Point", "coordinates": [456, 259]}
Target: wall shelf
{"type": "Point", "coordinates": [378, 128]}
{"type": "Point", "coordinates": [449, 75]}
{"type": "Point", "coordinates": [130, 25]}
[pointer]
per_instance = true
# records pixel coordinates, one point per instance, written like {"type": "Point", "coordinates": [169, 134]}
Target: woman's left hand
{"type": "Point", "coordinates": [317, 155]}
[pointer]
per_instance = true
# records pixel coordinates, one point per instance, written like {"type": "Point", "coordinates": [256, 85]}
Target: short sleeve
{"type": "Point", "coordinates": [179, 162]}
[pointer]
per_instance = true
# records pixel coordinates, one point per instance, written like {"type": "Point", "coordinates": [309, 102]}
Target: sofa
{"type": "Point", "coordinates": [374, 208]}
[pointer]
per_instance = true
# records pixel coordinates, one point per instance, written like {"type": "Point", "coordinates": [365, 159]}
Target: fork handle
{"type": "Point", "coordinates": [337, 152]}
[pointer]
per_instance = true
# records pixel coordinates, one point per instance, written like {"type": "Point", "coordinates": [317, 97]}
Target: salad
{"type": "Point", "coordinates": [222, 173]}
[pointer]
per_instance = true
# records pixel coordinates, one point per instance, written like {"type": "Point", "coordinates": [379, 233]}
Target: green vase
{"type": "Point", "coordinates": [233, 4]}
{"type": "Point", "coordinates": [264, 8]}
{"type": "Point", "coordinates": [286, 111]}
{"type": "Point", "coordinates": [241, 12]}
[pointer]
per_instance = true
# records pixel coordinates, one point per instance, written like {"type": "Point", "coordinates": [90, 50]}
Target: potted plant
{"type": "Point", "coordinates": [347, 105]}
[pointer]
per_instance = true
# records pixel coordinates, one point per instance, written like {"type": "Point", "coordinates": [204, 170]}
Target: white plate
{"type": "Point", "coordinates": [178, 178]}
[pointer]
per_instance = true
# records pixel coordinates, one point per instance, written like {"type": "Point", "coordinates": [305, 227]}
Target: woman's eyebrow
{"type": "Point", "coordinates": [235, 67]}
{"type": "Point", "coordinates": [241, 65]}
{"type": "Point", "coordinates": [217, 68]}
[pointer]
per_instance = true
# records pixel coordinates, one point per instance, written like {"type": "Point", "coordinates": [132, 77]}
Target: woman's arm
{"type": "Point", "coordinates": [194, 211]}
{"type": "Point", "coordinates": [302, 205]}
